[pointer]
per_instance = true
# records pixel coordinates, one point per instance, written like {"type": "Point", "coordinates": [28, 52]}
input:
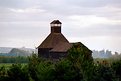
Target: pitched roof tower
{"type": "Point", "coordinates": [56, 45]}
{"type": "Point", "coordinates": [55, 26]}
{"type": "Point", "coordinates": [55, 37]}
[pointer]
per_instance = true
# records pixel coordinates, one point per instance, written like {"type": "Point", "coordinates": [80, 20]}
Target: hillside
{"type": "Point", "coordinates": [5, 49]}
{"type": "Point", "coordinates": [18, 52]}
{"type": "Point", "coordinates": [8, 51]}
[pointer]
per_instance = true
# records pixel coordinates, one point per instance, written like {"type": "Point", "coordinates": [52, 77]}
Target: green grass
{"type": "Point", "coordinates": [7, 65]}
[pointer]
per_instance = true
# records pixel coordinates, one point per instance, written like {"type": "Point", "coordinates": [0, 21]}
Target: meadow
{"type": "Point", "coordinates": [8, 65]}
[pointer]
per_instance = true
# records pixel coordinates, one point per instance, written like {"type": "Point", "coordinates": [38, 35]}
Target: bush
{"type": "Point", "coordinates": [65, 71]}
{"type": "Point", "coordinates": [116, 66]}
{"type": "Point", "coordinates": [104, 73]}
{"type": "Point", "coordinates": [78, 66]}
{"type": "Point", "coordinates": [3, 74]}
{"type": "Point", "coordinates": [18, 73]}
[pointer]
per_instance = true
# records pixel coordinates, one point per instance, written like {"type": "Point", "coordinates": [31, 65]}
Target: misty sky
{"type": "Point", "coordinates": [95, 23]}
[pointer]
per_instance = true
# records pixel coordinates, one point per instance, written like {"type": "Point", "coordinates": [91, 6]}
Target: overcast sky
{"type": "Point", "coordinates": [95, 23]}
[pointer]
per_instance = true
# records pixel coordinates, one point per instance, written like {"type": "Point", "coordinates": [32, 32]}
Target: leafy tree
{"type": "Point", "coordinates": [78, 66]}
{"type": "Point", "coordinates": [81, 59]}
{"type": "Point", "coordinates": [41, 69]}
{"type": "Point", "coordinates": [65, 71]}
{"type": "Point", "coordinates": [18, 73]}
{"type": "Point", "coordinates": [116, 66]}
{"type": "Point", "coordinates": [3, 74]}
{"type": "Point", "coordinates": [45, 71]}
{"type": "Point", "coordinates": [32, 66]}
{"type": "Point", "coordinates": [104, 73]}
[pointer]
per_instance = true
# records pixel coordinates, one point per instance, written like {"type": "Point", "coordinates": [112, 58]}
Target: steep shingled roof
{"type": "Point", "coordinates": [54, 40]}
{"type": "Point", "coordinates": [61, 47]}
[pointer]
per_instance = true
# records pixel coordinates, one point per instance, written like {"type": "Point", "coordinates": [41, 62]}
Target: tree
{"type": "Point", "coordinates": [82, 61]}
{"type": "Point", "coordinates": [104, 73]}
{"type": "Point", "coordinates": [65, 71]}
{"type": "Point", "coordinates": [45, 71]}
{"type": "Point", "coordinates": [18, 73]}
{"type": "Point", "coordinates": [116, 66]}
{"type": "Point", "coordinates": [3, 74]}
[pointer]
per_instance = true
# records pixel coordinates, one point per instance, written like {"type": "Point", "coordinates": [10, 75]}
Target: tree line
{"type": "Point", "coordinates": [14, 59]}
{"type": "Point", "coordinates": [78, 66]}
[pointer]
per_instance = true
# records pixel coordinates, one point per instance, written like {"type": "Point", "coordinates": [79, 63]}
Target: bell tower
{"type": "Point", "coordinates": [55, 26]}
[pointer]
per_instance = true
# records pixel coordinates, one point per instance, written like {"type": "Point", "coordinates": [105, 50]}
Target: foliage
{"type": "Point", "coordinates": [18, 73]}
{"type": "Point", "coordinates": [66, 71]}
{"type": "Point", "coordinates": [78, 66]}
{"type": "Point", "coordinates": [41, 69]}
{"type": "Point", "coordinates": [45, 71]}
{"type": "Point", "coordinates": [104, 73]}
{"type": "Point", "coordinates": [82, 60]}
{"type": "Point", "coordinates": [116, 66]}
{"type": "Point", "coordinates": [10, 59]}
{"type": "Point", "coordinates": [3, 74]}
{"type": "Point", "coordinates": [32, 66]}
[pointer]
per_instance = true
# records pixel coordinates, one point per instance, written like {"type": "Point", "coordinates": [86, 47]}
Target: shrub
{"type": "Point", "coordinates": [116, 66]}
{"type": "Point", "coordinates": [18, 73]}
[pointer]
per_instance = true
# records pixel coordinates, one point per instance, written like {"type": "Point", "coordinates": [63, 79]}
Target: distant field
{"type": "Point", "coordinates": [7, 65]}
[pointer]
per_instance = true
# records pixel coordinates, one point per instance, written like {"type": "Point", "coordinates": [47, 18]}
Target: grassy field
{"type": "Point", "coordinates": [7, 65]}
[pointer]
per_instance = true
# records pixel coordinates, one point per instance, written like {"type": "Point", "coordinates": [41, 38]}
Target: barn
{"type": "Point", "coordinates": [55, 46]}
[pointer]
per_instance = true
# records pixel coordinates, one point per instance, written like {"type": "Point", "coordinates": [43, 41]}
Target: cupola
{"type": "Point", "coordinates": [55, 26]}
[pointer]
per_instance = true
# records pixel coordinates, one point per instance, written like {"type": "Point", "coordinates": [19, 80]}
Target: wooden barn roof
{"type": "Point", "coordinates": [81, 45]}
{"type": "Point", "coordinates": [55, 40]}
{"type": "Point", "coordinates": [61, 47]}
